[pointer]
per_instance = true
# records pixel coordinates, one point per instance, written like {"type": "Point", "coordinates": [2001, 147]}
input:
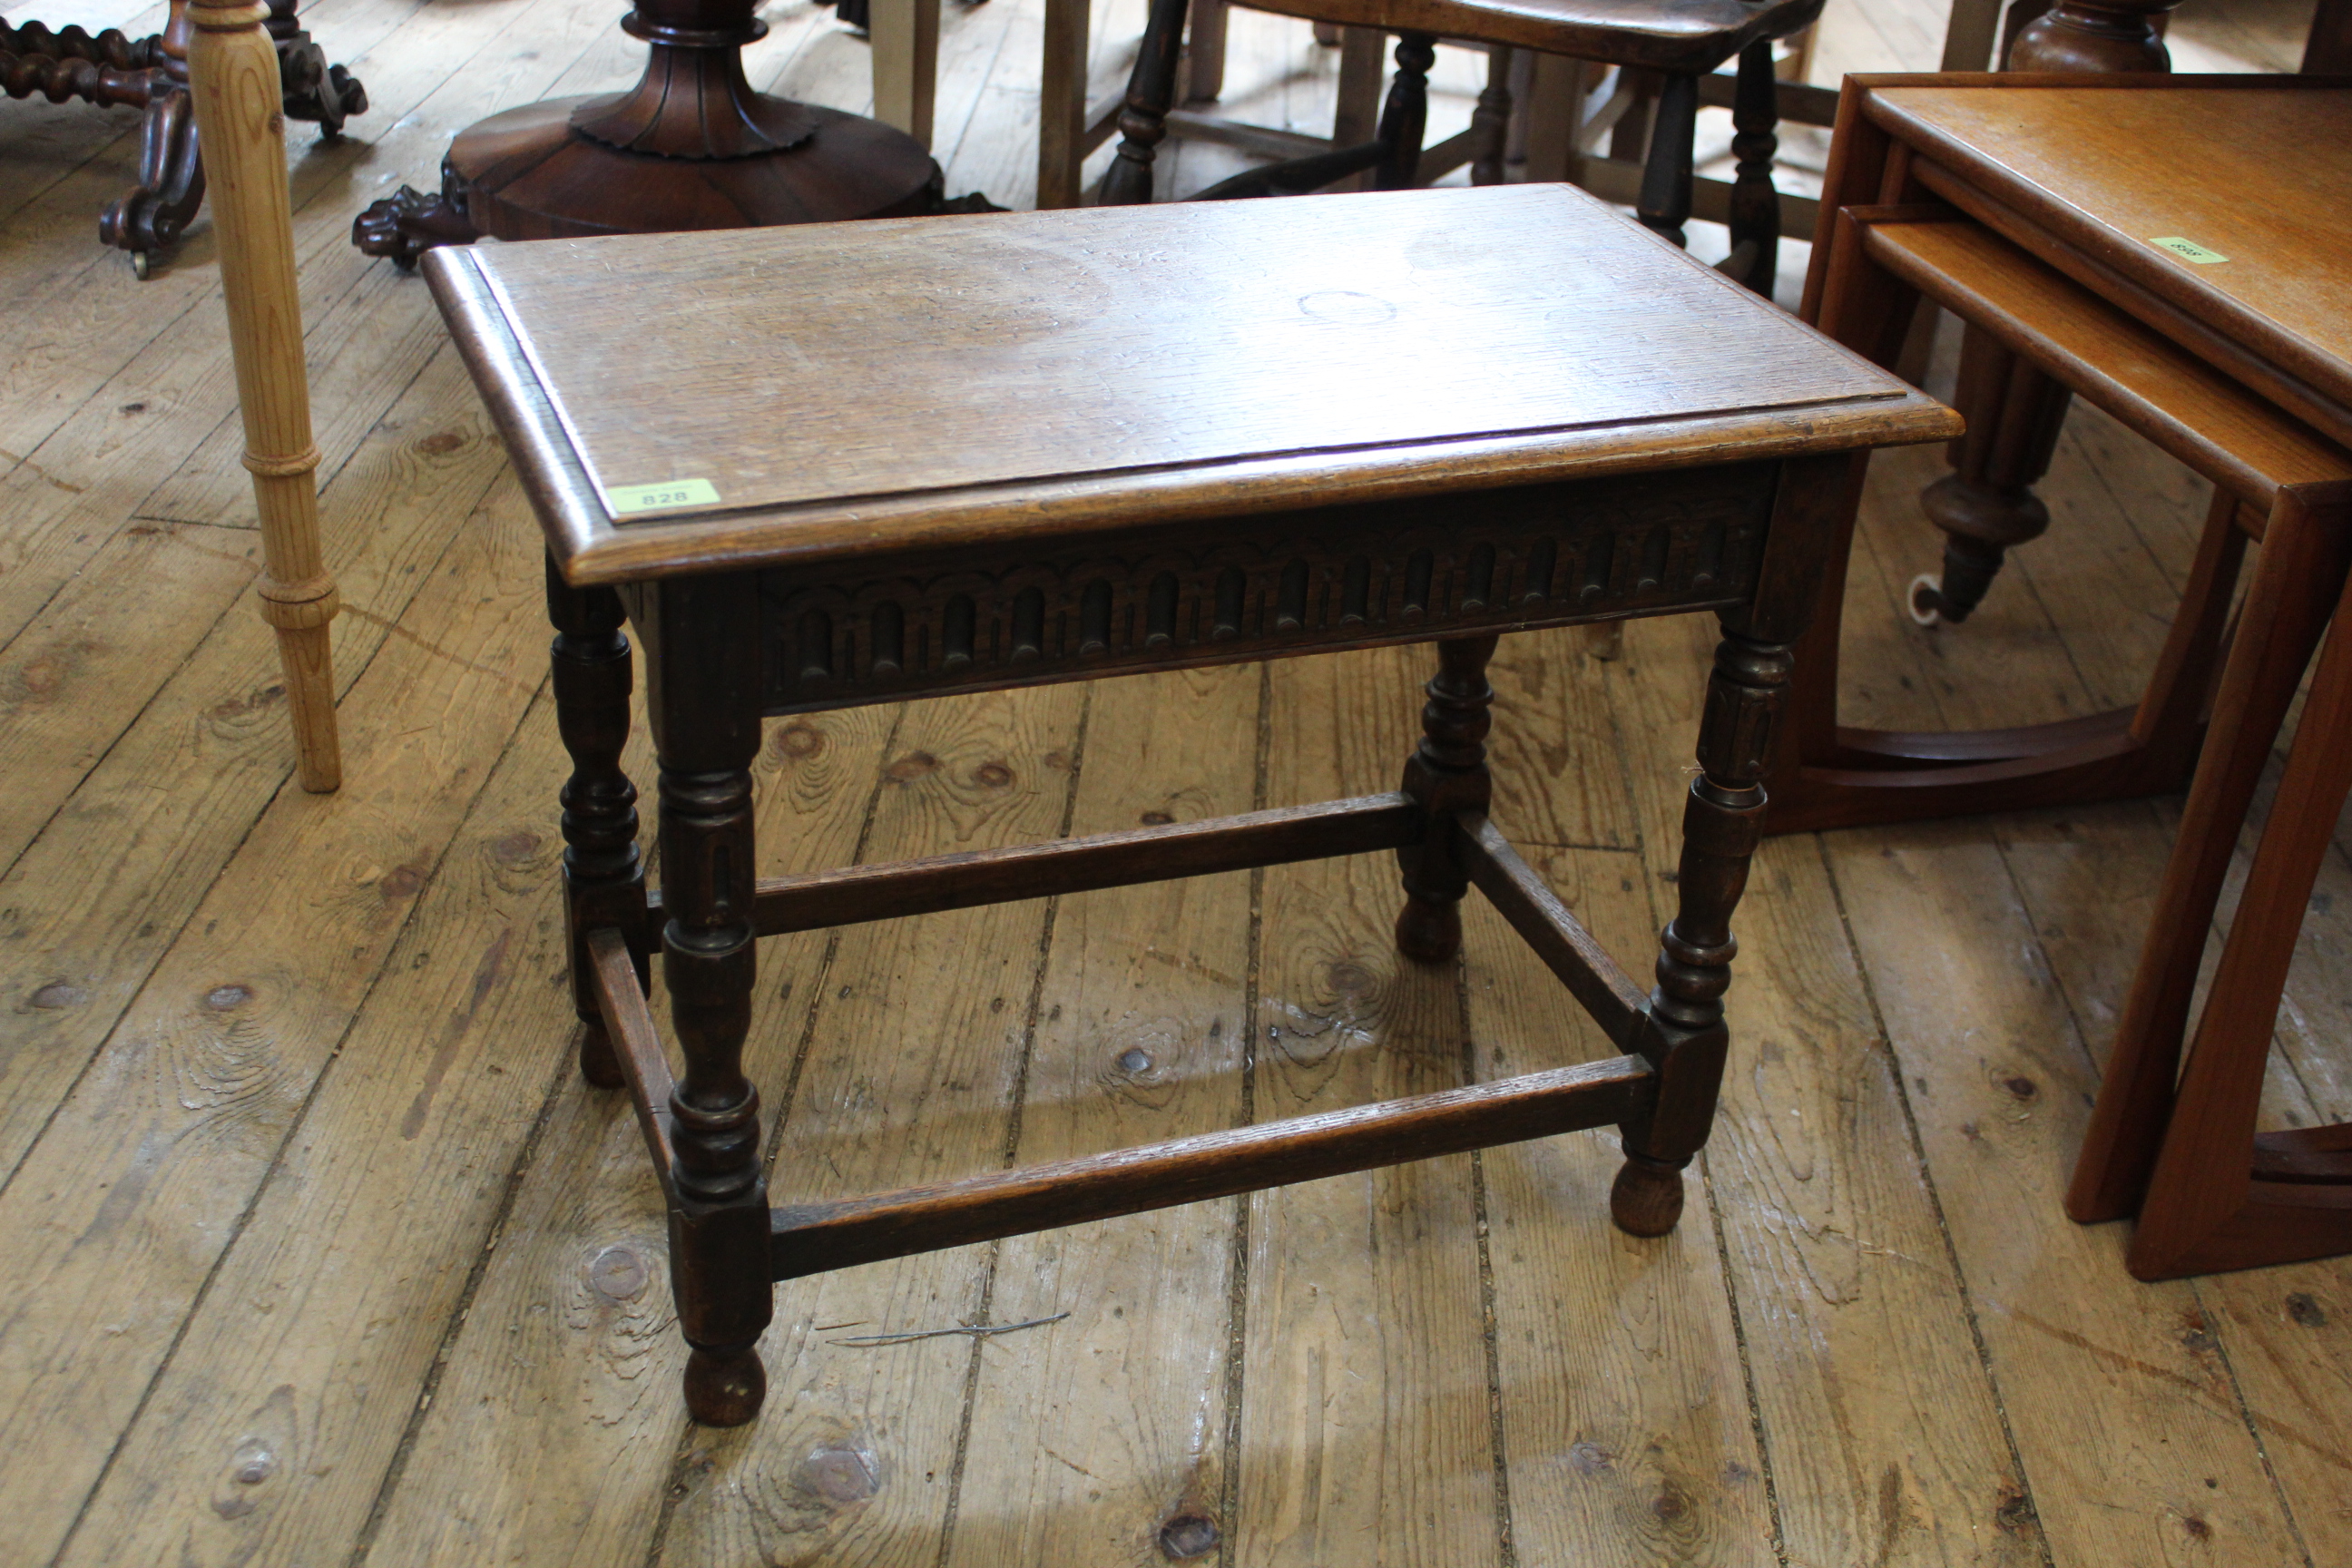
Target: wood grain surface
{"type": "Point", "coordinates": [929, 364]}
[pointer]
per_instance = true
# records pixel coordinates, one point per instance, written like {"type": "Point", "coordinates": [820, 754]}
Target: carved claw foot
{"type": "Point", "coordinates": [724, 1386]}
{"type": "Point", "coordinates": [1646, 1199]}
{"type": "Point", "coordinates": [409, 223]}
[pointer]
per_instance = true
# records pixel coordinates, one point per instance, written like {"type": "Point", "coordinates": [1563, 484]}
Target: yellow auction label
{"type": "Point", "coordinates": [626, 499]}
{"type": "Point", "coordinates": [2189, 249]}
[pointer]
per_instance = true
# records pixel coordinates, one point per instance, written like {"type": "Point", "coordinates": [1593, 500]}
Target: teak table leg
{"type": "Point", "coordinates": [238, 108]}
{"type": "Point", "coordinates": [2205, 1209]}
{"type": "Point", "coordinates": [705, 709]}
{"type": "Point", "coordinates": [1446, 775]}
{"type": "Point", "coordinates": [604, 878]}
{"type": "Point", "coordinates": [2298, 574]}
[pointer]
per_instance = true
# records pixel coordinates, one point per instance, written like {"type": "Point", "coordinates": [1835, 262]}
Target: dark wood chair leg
{"type": "Point", "coordinates": [705, 709]}
{"type": "Point", "coordinates": [1755, 203]}
{"type": "Point", "coordinates": [1406, 113]}
{"type": "Point", "coordinates": [1665, 198]}
{"type": "Point", "coordinates": [1986, 504]}
{"type": "Point", "coordinates": [1723, 821]}
{"type": "Point", "coordinates": [1491, 119]}
{"type": "Point", "coordinates": [1143, 119]}
{"type": "Point", "coordinates": [1446, 775]}
{"type": "Point", "coordinates": [604, 878]}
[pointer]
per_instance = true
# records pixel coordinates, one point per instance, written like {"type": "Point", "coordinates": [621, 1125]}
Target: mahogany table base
{"type": "Point", "coordinates": [529, 173]}
{"type": "Point", "coordinates": [151, 74]}
{"type": "Point", "coordinates": [690, 146]}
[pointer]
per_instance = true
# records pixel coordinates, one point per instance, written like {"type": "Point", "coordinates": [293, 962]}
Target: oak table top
{"type": "Point", "coordinates": [760, 397]}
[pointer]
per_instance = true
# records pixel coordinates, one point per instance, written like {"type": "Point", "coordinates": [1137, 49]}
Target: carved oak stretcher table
{"type": "Point", "coordinates": [1050, 447]}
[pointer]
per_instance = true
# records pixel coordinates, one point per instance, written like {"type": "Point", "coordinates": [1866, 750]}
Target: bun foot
{"type": "Point", "coordinates": [724, 1387]}
{"type": "Point", "coordinates": [598, 1064]}
{"type": "Point", "coordinates": [1646, 1199]}
{"type": "Point", "coordinates": [1428, 932]}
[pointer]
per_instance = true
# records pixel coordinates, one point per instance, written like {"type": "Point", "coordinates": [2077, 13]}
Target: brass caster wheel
{"type": "Point", "coordinates": [138, 265]}
{"type": "Point", "coordinates": [1926, 600]}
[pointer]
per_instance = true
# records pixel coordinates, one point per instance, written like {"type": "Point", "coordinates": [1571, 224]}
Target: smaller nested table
{"type": "Point", "coordinates": [833, 465]}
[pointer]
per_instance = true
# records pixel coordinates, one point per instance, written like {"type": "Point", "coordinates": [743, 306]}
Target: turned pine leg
{"type": "Point", "coordinates": [706, 716]}
{"type": "Point", "coordinates": [1445, 775]}
{"type": "Point", "coordinates": [1722, 821]}
{"type": "Point", "coordinates": [604, 879]}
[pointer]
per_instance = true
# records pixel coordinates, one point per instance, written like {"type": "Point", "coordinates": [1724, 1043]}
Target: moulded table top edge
{"type": "Point", "coordinates": [591, 550]}
{"type": "Point", "coordinates": [1836, 402]}
{"type": "Point", "coordinates": [2103, 243]}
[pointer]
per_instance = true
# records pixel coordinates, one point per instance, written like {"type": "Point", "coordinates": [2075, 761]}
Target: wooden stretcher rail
{"type": "Point", "coordinates": [1535, 911]}
{"type": "Point", "coordinates": [855, 894]}
{"type": "Point", "coordinates": [811, 1239]}
{"type": "Point", "coordinates": [629, 1024]}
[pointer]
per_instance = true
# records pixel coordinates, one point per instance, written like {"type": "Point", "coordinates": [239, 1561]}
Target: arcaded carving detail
{"type": "Point", "coordinates": [1265, 586]}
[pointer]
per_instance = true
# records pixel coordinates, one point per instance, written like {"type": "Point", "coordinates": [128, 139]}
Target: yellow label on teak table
{"type": "Point", "coordinates": [2188, 250]}
{"type": "Point", "coordinates": [625, 500]}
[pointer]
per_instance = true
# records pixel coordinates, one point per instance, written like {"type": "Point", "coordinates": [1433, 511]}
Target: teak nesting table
{"type": "Point", "coordinates": [857, 463]}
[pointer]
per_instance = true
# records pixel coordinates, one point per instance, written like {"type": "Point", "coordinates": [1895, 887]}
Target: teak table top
{"type": "Point", "coordinates": [846, 389]}
{"type": "Point", "coordinates": [2088, 161]}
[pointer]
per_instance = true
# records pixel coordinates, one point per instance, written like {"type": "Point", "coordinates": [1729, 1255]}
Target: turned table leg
{"type": "Point", "coordinates": [705, 707]}
{"type": "Point", "coordinates": [236, 96]}
{"type": "Point", "coordinates": [1986, 504]}
{"type": "Point", "coordinates": [1446, 775]}
{"type": "Point", "coordinates": [1723, 820]}
{"type": "Point", "coordinates": [2014, 412]}
{"type": "Point", "coordinates": [604, 878]}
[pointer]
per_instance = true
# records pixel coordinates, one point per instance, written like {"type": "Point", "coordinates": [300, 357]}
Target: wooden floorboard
{"type": "Point", "coordinates": [323, 1252]}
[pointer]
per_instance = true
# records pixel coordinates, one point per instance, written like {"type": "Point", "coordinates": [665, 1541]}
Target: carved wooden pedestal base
{"type": "Point", "coordinates": [151, 74]}
{"type": "Point", "coordinates": [690, 146]}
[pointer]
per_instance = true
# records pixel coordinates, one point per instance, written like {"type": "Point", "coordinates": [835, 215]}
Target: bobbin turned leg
{"type": "Point", "coordinates": [604, 879]}
{"type": "Point", "coordinates": [1447, 774]}
{"type": "Point", "coordinates": [1143, 118]}
{"type": "Point", "coordinates": [1755, 204]}
{"type": "Point", "coordinates": [1722, 820]}
{"type": "Point", "coordinates": [704, 701]}
{"type": "Point", "coordinates": [1405, 115]}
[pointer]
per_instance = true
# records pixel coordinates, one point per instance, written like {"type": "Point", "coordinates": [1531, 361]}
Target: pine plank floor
{"type": "Point", "coordinates": [320, 1253]}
